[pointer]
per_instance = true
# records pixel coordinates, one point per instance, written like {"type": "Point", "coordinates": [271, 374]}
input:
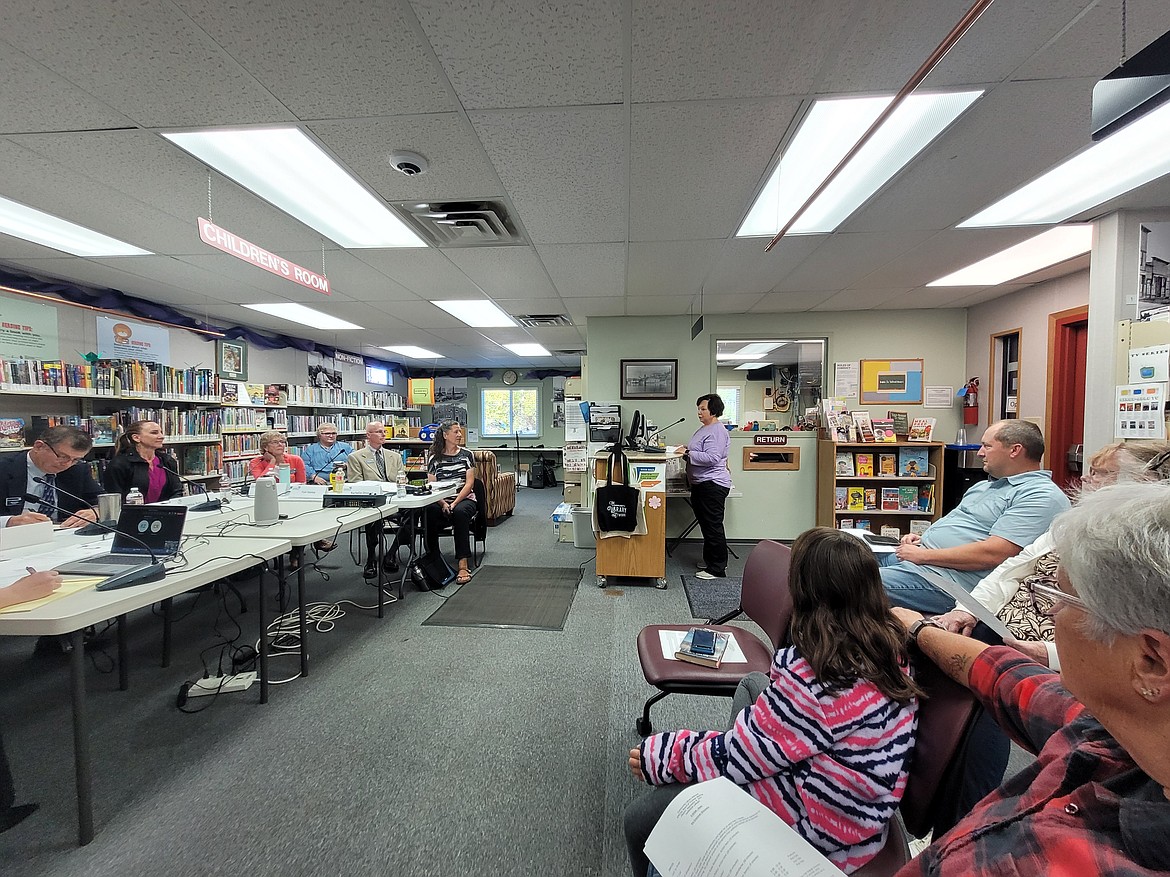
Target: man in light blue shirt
{"type": "Point", "coordinates": [994, 521]}
{"type": "Point", "coordinates": [321, 457]}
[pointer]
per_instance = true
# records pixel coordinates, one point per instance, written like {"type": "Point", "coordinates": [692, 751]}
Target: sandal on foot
{"type": "Point", "coordinates": [463, 577]}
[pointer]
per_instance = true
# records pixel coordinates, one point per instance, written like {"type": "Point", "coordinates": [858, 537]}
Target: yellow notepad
{"type": "Point", "coordinates": [69, 585]}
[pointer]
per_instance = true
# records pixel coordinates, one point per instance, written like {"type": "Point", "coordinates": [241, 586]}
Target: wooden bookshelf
{"type": "Point", "coordinates": [828, 482]}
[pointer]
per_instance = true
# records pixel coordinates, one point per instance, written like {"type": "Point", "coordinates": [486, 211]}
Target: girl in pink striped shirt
{"type": "Point", "coordinates": [826, 742]}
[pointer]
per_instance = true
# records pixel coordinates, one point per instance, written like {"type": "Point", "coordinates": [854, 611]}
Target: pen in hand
{"type": "Point", "coordinates": [31, 571]}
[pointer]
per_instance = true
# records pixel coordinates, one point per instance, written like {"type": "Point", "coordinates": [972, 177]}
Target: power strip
{"type": "Point", "coordinates": [222, 684]}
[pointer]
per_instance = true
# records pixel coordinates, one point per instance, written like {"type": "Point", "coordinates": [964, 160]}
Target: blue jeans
{"type": "Point", "coordinates": [907, 588]}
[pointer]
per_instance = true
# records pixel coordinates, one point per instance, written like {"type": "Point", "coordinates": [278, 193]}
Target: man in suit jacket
{"type": "Point", "coordinates": [55, 456]}
{"type": "Point", "coordinates": [375, 463]}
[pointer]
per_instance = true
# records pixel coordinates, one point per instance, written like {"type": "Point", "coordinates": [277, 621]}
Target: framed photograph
{"type": "Point", "coordinates": [232, 357]}
{"type": "Point", "coordinates": [649, 379]}
{"type": "Point", "coordinates": [891, 381]}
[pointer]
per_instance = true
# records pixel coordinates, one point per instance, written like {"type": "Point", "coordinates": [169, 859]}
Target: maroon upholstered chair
{"type": "Point", "coordinates": [930, 803]}
{"type": "Point", "coordinates": [764, 599]}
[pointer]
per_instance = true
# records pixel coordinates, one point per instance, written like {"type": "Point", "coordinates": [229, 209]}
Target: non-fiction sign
{"type": "Point", "coordinates": [234, 245]}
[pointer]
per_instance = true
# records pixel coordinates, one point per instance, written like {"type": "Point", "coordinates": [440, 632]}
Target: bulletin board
{"type": "Point", "coordinates": [891, 380]}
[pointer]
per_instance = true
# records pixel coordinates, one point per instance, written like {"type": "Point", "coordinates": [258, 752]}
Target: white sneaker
{"type": "Point", "coordinates": [703, 574]}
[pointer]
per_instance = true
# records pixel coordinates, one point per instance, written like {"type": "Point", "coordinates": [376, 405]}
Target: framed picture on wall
{"type": "Point", "coordinates": [232, 359]}
{"type": "Point", "coordinates": [649, 379]}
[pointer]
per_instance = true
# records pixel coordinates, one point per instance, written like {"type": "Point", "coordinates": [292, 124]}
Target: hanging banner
{"type": "Point", "coordinates": [28, 330]}
{"type": "Point", "coordinates": [421, 391]}
{"type": "Point", "coordinates": [126, 339]}
{"type": "Point", "coordinates": [222, 239]}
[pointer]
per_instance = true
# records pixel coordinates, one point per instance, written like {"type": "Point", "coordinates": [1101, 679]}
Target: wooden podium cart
{"type": "Point", "coordinates": [638, 556]}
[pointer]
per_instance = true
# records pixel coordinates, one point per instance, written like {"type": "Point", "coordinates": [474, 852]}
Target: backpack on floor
{"type": "Point", "coordinates": [536, 474]}
{"type": "Point", "coordinates": [550, 470]}
{"type": "Point", "coordinates": [431, 572]}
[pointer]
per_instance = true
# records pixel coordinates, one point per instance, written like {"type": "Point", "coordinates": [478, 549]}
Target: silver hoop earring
{"type": "Point", "coordinates": [1149, 693]}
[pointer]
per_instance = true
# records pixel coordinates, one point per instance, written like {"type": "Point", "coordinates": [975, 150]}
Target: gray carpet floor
{"type": "Point", "coordinates": [408, 750]}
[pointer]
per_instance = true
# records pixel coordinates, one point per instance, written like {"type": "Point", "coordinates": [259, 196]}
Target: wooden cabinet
{"type": "Point", "coordinates": [857, 493]}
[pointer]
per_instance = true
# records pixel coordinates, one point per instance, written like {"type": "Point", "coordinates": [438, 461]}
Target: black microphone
{"type": "Point", "coordinates": [329, 463]}
{"type": "Point", "coordinates": [247, 474]}
{"type": "Point", "coordinates": [139, 575]}
{"type": "Point", "coordinates": [665, 428]}
{"type": "Point", "coordinates": [208, 504]}
{"type": "Point", "coordinates": [89, 529]}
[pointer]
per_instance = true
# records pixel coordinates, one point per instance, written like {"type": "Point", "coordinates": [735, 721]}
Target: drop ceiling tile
{"type": "Point", "coordinates": [694, 167]}
{"type": "Point", "coordinates": [858, 299]}
{"type": "Point", "coordinates": [504, 272]}
{"type": "Point", "coordinates": [660, 305]}
{"type": "Point", "coordinates": [743, 266]}
{"type": "Point", "coordinates": [428, 273]}
{"type": "Point", "coordinates": [513, 53]}
{"type": "Point", "coordinates": [790, 302]}
{"type": "Point", "coordinates": [585, 270]}
{"type": "Point", "coordinates": [670, 268]}
{"type": "Point", "coordinates": [581, 309]}
{"type": "Point", "coordinates": [842, 260]}
{"type": "Point", "coordinates": [149, 62]}
{"type": "Point", "coordinates": [566, 170]}
{"type": "Point", "coordinates": [36, 99]}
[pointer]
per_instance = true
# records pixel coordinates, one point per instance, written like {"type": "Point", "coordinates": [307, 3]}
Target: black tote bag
{"type": "Point", "coordinates": [617, 504]}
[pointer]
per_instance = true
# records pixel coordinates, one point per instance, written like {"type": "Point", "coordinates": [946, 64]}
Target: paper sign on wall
{"type": "Point", "coordinates": [126, 339]}
{"type": "Point", "coordinates": [28, 330]}
{"type": "Point", "coordinates": [1140, 411]}
{"type": "Point", "coordinates": [1148, 364]}
{"type": "Point", "coordinates": [421, 391]}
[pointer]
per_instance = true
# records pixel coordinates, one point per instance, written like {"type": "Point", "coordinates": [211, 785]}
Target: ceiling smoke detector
{"type": "Point", "coordinates": [410, 163]}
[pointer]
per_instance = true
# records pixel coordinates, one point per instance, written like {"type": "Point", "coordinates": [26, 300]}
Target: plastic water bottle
{"type": "Point", "coordinates": [284, 474]}
{"type": "Point", "coordinates": [134, 497]}
{"type": "Point", "coordinates": [402, 480]}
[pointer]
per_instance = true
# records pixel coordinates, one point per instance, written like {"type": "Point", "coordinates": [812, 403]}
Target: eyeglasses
{"type": "Point", "coordinates": [65, 458]}
{"type": "Point", "coordinates": [1059, 599]}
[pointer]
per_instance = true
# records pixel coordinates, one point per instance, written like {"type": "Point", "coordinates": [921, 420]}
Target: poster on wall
{"type": "Point", "coordinates": [231, 359]}
{"type": "Point", "coordinates": [558, 388]}
{"type": "Point", "coordinates": [28, 330]}
{"type": "Point", "coordinates": [322, 376]}
{"type": "Point", "coordinates": [846, 377]}
{"type": "Point", "coordinates": [1140, 411]}
{"type": "Point", "coordinates": [420, 391]}
{"type": "Point", "coordinates": [451, 400]}
{"type": "Point", "coordinates": [1147, 364]}
{"type": "Point", "coordinates": [891, 380]}
{"type": "Point", "coordinates": [119, 338]}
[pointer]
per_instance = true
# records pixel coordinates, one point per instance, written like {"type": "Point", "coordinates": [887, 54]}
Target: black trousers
{"type": "Point", "coordinates": [375, 530]}
{"type": "Point", "coordinates": [7, 786]}
{"type": "Point", "coordinates": [460, 520]}
{"type": "Point", "coordinates": [709, 500]}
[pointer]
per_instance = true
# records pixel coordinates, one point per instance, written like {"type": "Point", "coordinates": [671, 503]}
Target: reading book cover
{"type": "Point", "coordinates": [883, 431]}
{"type": "Point", "coordinates": [864, 426]}
{"type": "Point", "coordinates": [844, 463]}
{"type": "Point", "coordinates": [921, 430]}
{"type": "Point", "coordinates": [912, 462]}
{"type": "Point", "coordinates": [901, 421]}
{"type": "Point", "coordinates": [926, 498]}
{"type": "Point", "coordinates": [892, 532]}
{"type": "Point", "coordinates": [845, 523]}
{"type": "Point", "coordinates": [919, 527]}
{"type": "Point", "coordinates": [887, 465]}
{"type": "Point", "coordinates": [229, 392]}
{"type": "Point", "coordinates": [856, 499]}
{"type": "Point", "coordinates": [908, 497]}
{"type": "Point", "coordinates": [685, 653]}
{"type": "Point", "coordinates": [865, 465]}
{"type": "Point", "coordinates": [840, 498]}
{"type": "Point", "coordinates": [891, 499]}
{"type": "Point", "coordinates": [871, 499]}
{"type": "Point", "coordinates": [12, 432]}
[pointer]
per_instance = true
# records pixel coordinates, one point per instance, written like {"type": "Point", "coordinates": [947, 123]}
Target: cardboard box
{"type": "Point", "coordinates": [413, 431]}
{"type": "Point", "coordinates": [522, 475]}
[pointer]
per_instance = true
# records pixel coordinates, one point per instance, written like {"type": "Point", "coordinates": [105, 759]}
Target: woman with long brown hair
{"type": "Point", "coordinates": [824, 739]}
{"type": "Point", "coordinates": [450, 461]}
{"type": "Point", "coordinates": [141, 462]}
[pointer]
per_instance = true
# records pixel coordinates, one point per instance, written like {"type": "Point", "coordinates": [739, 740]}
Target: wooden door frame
{"type": "Point", "coordinates": [992, 374]}
{"type": "Point", "coordinates": [1058, 325]}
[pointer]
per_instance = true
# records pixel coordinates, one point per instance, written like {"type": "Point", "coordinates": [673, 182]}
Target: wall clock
{"type": "Point", "coordinates": [510, 377]}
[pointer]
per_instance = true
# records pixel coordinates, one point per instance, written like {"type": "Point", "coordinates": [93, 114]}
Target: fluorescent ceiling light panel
{"type": "Point", "coordinates": [528, 349]}
{"type": "Point", "coordinates": [829, 131]}
{"type": "Point", "coordinates": [751, 365]}
{"type": "Point", "coordinates": [303, 315]}
{"type": "Point", "coordinates": [412, 351]}
{"type": "Point", "coordinates": [759, 348]}
{"type": "Point", "coordinates": [477, 312]}
{"type": "Point", "coordinates": [43, 228]}
{"type": "Point", "coordinates": [1132, 157]}
{"type": "Point", "coordinates": [286, 168]}
{"type": "Point", "coordinates": [1050, 248]}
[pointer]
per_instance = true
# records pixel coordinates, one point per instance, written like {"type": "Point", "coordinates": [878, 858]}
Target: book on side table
{"type": "Point", "coordinates": [687, 651]}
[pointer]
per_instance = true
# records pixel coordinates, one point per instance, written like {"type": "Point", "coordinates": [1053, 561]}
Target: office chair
{"type": "Point", "coordinates": [931, 800]}
{"type": "Point", "coordinates": [764, 599]}
{"type": "Point", "coordinates": [479, 527]}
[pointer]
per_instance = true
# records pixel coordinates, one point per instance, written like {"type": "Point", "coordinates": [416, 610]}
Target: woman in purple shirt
{"type": "Point", "coordinates": [706, 456]}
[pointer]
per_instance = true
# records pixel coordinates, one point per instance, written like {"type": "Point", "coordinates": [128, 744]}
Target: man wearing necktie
{"type": "Point", "coordinates": [375, 462]}
{"type": "Point", "coordinates": [51, 469]}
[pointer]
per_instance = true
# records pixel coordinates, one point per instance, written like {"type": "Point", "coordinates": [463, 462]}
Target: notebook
{"type": "Point", "coordinates": [159, 526]}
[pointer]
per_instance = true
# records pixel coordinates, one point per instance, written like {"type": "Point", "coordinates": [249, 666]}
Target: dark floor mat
{"type": "Point", "coordinates": [712, 598]}
{"type": "Point", "coordinates": [511, 596]}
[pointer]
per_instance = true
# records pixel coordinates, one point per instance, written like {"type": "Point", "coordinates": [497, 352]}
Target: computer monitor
{"type": "Point", "coordinates": [636, 437]}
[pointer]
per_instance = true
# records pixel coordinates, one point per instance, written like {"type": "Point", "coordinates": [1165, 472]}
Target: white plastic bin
{"type": "Point", "coordinates": [583, 527]}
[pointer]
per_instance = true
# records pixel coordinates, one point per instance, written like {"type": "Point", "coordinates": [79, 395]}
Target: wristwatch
{"type": "Point", "coordinates": [916, 627]}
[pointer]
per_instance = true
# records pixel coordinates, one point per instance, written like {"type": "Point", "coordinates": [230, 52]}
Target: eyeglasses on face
{"type": "Point", "coordinates": [65, 459]}
{"type": "Point", "coordinates": [1059, 598]}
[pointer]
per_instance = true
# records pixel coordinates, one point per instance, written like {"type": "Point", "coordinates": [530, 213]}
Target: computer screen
{"type": "Point", "coordinates": [637, 433]}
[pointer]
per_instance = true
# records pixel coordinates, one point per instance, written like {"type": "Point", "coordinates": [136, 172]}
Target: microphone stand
{"type": "Point", "coordinates": [208, 504]}
{"type": "Point", "coordinates": [665, 428]}
{"type": "Point", "coordinates": [139, 575]}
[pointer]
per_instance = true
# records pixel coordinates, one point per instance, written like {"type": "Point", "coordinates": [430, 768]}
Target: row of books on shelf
{"type": "Point", "coordinates": [860, 426]}
{"type": "Point", "coordinates": [915, 526]}
{"type": "Point", "coordinates": [301, 423]}
{"type": "Point", "coordinates": [904, 498]}
{"type": "Point", "coordinates": [378, 399]}
{"type": "Point", "coordinates": [200, 459]}
{"type": "Point", "coordinates": [109, 377]}
{"type": "Point", "coordinates": [905, 463]}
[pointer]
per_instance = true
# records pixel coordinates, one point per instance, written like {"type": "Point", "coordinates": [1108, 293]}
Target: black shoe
{"type": "Point", "coordinates": [13, 816]}
{"type": "Point", "coordinates": [390, 564]}
{"type": "Point", "coordinates": [370, 572]}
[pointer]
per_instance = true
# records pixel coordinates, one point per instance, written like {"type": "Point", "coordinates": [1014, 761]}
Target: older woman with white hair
{"type": "Point", "coordinates": [1095, 801]}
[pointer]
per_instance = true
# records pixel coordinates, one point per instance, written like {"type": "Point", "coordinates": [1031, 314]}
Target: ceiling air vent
{"type": "Point", "coordinates": [462, 223]}
{"type": "Point", "coordinates": [567, 352]}
{"type": "Point", "coordinates": [543, 321]}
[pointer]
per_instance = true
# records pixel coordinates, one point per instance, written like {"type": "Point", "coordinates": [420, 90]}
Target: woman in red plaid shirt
{"type": "Point", "coordinates": [1097, 799]}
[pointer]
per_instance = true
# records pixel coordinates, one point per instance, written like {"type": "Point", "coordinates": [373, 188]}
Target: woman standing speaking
{"type": "Point", "coordinates": [710, 479]}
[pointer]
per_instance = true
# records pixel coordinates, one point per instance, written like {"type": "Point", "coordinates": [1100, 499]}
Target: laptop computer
{"type": "Point", "coordinates": [159, 526]}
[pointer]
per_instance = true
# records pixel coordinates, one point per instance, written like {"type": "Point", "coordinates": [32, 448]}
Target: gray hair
{"type": "Point", "coordinates": [1022, 432]}
{"type": "Point", "coordinates": [1115, 548]}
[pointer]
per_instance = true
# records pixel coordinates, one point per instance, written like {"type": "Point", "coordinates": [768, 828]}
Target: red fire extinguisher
{"type": "Point", "coordinates": [971, 402]}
